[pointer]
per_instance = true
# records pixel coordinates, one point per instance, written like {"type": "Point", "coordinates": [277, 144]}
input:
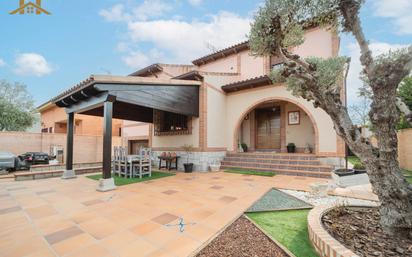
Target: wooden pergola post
{"type": "Point", "coordinates": [69, 172]}
{"type": "Point", "coordinates": [106, 183]}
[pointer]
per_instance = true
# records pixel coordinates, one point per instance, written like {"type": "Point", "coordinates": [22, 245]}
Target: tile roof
{"type": "Point", "coordinates": [222, 53]}
{"type": "Point", "coordinates": [247, 83]}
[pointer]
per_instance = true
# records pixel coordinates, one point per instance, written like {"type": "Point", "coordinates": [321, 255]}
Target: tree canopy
{"type": "Point", "coordinates": [16, 107]}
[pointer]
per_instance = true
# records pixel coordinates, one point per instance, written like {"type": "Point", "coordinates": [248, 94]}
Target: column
{"type": "Point", "coordinates": [106, 183]}
{"type": "Point", "coordinates": [69, 172]}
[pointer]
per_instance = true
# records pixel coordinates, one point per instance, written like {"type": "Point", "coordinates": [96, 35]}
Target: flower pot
{"type": "Point", "coordinates": [291, 148]}
{"type": "Point", "coordinates": [214, 167]}
{"type": "Point", "coordinates": [344, 172]}
{"type": "Point", "coordinates": [188, 167]}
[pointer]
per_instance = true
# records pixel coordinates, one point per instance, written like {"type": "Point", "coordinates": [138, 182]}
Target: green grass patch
{"type": "Point", "coordinates": [250, 172]}
{"type": "Point", "coordinates": [408, 175]}
{"type": "Point", "coordinates": [121, 181]}
{"type": "Point", "coordinates": [354, 160]}
{"type": "Point", "coordinates": [290, 228]}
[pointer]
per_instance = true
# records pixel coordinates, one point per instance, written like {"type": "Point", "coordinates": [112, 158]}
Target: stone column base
{"type": "Point", "coordinates": [106, 185]}
{"type": "Point", "coordinates": [68, 174]}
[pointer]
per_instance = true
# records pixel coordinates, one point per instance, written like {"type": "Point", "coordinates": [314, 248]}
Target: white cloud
{"type": "Point", "coordinates": [32, 64]}
{"type": "Point", "coordinates": [115, 14]}
{"type": "Point", "coordinates": [353, 81]}
{"type": "Point", "coordinates": [397, 10]}
{"type": "Point", "coordinates": [148, 9]}
{"type": "Point", "coordinates": [139, 59]}
{"type": "Point", "coordinates": [195, 2]}
{"type": "Point", "coordinates": [184, 41]}
{"type": "Point", "coordinates": [2, 63]}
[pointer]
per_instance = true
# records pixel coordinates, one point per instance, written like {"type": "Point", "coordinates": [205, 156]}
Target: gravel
{"type": "Point", "coordinates": [242, 239]}
{"type": "Point", "coordinates": [328, 199]}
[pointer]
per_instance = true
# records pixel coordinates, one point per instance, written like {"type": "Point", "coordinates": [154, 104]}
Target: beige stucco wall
{"type": "Point", "coordinates": [301, 134]}
{"type": "Point", "coordinates": [237, 104]}
{"type": "Point", "coordinates": [84, 124]}
{"type": "Point", "coordinates": [405, 148]}
{"type": "Point", "coordinates": [86, 148]}
{"type": "Point", "coordinates": [251, 66]}
{"type": "Point", "coordinates": [216, 118]}
{"type": "Point", "coordinates": [228, 64]}
{"type": "Point", "coordinates": [318, 42]}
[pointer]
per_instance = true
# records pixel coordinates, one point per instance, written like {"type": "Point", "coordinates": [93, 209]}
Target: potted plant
{"type": "Point", "coordinates": [291, 147]}
{"type": "Point", "coordinates": [188, 149]}
{"type": "Point", "coordinates": [359, 168]}
{"type": "Point", "coordinates": [215, 166]}
{"type": "Point", "coordinates": [308, 149]}
{"type": "Point", "coordinates": [244, 147]}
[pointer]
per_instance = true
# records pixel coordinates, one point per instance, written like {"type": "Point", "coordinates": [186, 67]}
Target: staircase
{"type": "Point", "coordinates": [280, 163]}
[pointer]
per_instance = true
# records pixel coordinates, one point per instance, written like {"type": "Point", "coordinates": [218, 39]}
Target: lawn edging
{"type": "Point", "coordinates": [324, 244]}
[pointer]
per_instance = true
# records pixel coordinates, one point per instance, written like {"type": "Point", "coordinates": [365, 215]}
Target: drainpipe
{"type": "Point", "coordinates": [346, 105]}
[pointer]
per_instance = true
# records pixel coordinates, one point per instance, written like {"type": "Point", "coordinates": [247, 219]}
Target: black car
{"type": "Point", "coordinates": [33, 158]}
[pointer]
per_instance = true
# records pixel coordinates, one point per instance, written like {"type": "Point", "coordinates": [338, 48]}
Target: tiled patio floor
{"type": "Point", "coordinates": [56, 217]}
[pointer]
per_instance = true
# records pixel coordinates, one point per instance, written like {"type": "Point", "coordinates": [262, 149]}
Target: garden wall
{"type": "Point", "coordinates": [86, 148]}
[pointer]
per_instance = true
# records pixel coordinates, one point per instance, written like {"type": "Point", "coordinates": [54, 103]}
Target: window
{"type": "Point", "coordinates": [44, 130]}
{"type": "Point", "coordinates": [167, 123]}
{"type": "Point", "coordinates": [50, 130]}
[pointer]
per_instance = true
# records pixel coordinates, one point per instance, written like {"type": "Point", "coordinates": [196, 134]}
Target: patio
{"type": "Point", "coordinates": [58, 217]}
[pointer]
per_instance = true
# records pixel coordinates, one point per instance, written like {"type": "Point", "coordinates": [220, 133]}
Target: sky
{"type": "Point", "coordinates": [50, 53]}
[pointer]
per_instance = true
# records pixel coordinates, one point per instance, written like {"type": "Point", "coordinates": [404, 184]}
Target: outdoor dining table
{"type": "Point", "coordinates": [132, 158]}
{"type": "Point", "coordinates": [168, 160]}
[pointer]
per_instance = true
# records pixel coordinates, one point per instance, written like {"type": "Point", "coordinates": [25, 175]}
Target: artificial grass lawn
{"type": "Point", "coordinates": [121, 181]}
{"type": "Point", "coordinates": [250, 172]}
{"type": "Point", "coordinates": [290, 228]}
{"type": "Point", "coordinates": [406, 173]}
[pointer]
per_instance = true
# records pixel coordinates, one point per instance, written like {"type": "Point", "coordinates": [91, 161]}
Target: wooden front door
{"type": "Point", "coordinates": [268, 129]}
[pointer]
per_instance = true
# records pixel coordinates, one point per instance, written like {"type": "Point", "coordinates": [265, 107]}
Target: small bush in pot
{"type": "Point", "coordinates": [291, 148]}
{"type": "Point", "coordinates": [188, 149]}
{"type": "Point", "coordinates": [244, 147]}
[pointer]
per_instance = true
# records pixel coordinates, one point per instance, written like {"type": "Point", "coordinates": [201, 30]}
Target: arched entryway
{"type": "Point", "coordinates": [272, 123]}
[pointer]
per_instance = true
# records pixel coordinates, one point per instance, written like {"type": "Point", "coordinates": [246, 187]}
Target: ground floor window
{"type": "Point", "coordinates": [167, 123]}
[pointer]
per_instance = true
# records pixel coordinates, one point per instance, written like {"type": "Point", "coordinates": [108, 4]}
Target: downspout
{"type": "Point", "coordinates": [346, 103]}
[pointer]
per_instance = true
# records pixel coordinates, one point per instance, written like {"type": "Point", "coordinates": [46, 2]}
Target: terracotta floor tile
{"type": "Point", "coordinates": [45, 192]}
{"type": "Point", "coordinates": [170, 192]}
{"type": "Point", "coordinates": [93, 202]}
{"type": "Point", "coordinates": [63, 234]}
{"type": "Point", "coordinates": [216, 187]}
{"type": "Point", "coordinates": [227, 199]}
{"type": "Point", "coordinates": [41, 212]}
{"type": "Point", "coordinates": [100, 228]}
{"type": "Point", "coordinates": [119, 240]}
{"type": "Point", "coordinates": [90, 251]}
{"type": "Point", "coordinates": [73, 244]}
{"type": "Point", "coordinates": [145, 228]}
{"type": "Point", "coordinates": [165, 218]}
{"type": "Point", "coordinates": [183, 246]}
{"type": "Point", "coordinates": [10, 209]}
{"type": "Point", "coordinates": [138, 248]}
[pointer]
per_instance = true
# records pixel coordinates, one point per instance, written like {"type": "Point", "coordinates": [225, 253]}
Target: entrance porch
{"type": "Point", "coordinates": [272, 125]}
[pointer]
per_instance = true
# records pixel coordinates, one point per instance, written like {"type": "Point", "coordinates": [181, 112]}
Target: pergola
{"type": "Point", "coordinates": [129, 98]}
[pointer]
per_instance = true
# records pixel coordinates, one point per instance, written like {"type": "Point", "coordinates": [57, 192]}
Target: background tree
{"type": "Point", "coordinates": [279, 26]}
{"type": "Point", "coordinates": [16, 107]}
{"type": "Point", "coordinates": [359, 112]}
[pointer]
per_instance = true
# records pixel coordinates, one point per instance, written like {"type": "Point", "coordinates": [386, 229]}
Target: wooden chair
{"type": "Point", "coordinates": [123, 165]}
{"type": "Point", "coordinates": [143, 166]}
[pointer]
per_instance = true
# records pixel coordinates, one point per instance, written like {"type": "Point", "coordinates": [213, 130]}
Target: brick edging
{"type": "Point", "coordinates": [324, 244]}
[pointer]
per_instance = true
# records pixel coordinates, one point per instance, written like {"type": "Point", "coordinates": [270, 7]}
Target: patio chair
{"type": "Point", "coordinates": [123, 165]}
{"type": "Point", "coordinates": [143, 166]}
{"type": "Point", "coordinates": [115, 160]}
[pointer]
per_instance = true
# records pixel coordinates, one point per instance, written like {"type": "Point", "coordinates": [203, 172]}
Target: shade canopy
{"type": "Point", "coordinates": [134, 98]}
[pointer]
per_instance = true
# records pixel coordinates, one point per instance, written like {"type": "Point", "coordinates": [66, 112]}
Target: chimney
{"type": "Point", "coordinates": [38, 3]}
{"type": "Point", "coordinates": [21, 5]}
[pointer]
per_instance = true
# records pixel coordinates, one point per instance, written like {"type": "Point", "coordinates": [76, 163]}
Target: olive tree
{"type": "Point", "coordinates": [16, 107]}
{"type": "Point", "coordinates": [279, 25]}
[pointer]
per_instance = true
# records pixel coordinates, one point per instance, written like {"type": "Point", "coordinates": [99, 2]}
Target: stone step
{"type": "Point", "coordinates": [272, 161]}
{"type": "Point", "coordinates": [243, 164]}
{"type": "Point", "coordinates": [302, 173]}
{"type": "Point", "coordinates": [277, 156]}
